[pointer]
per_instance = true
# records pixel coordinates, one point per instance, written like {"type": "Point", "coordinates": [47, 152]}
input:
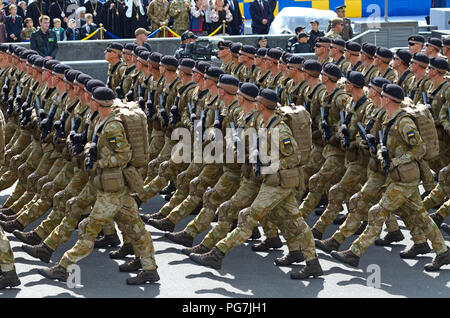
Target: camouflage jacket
{"type": "Point", "coordinates": [180, 14]}
{"type": "Point", "coordinates": [158, 12]}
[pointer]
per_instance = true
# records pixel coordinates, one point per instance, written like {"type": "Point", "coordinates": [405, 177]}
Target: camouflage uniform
{"type": "Point", "coordinates": [420, 85]}
{"type": "Point", "coordinates": [158, 12]}
{"type": "Point", "coordinates": [370, 72]}
{"type": "Point", "coordinates": [182, 18]}
{"type": "Point", "coordinates": [390, 74]}
{"type": "Point", "coordinates": [115, 73]}
{"type": "Point", "coordinates": [343, 64]}
{"type": "Point", "coordinates": [157, 135]}
{"type": "Point", "coordinates": [332, 34]}
{"type": "Point", "coordinates": [405, 81]}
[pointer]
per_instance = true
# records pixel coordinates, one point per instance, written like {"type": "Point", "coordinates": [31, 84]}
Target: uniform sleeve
{"type": "Point", "coordinates": [444, 114]}
{"type": "Point", "coordinates": [411, 136]}
{"type": "Point", "coordinates": [173, 9]}
{"type": "Point", "coordinates": [120, 149]}
{"type": "Point", "coordinates": [185, 116]}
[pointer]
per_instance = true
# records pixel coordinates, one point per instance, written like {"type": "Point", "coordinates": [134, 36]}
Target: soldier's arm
{"type": "Point", "coordinates": [173, 9]}
{"type": "Point", "coordinates": [411, 137]}
{"type": "Point", "coordinates": [444, 113]}
{"type": "Point", "coordinates": [287, 148]}
{"type": "Point", "coordinates": [120, 154]}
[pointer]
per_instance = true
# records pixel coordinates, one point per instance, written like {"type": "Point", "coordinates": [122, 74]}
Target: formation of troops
{"type": "Point", "coordinates": [360, 125]}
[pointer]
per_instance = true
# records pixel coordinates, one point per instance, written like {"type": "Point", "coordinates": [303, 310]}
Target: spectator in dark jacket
{"type": "Point", "coordinates": [262, 16]}
{"type": "Point", "coordinates": [72, 33]}
{"type": "Point", "coordinates": [14, 25]}
{"type": "Point", "coordinates": [89, 28]}
{"type": "Point", "coordinates": [294, 39]}
{"type": "Point", "coordinates": [302, 45]}
{"type": "Point", "coordinates": [234, 27]}
{"type": "Point", "coordinates": [314, 34]}
{"type": "Point", "coordinates": [44, 41]}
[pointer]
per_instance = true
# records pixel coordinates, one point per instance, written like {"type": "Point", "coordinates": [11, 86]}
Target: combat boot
{"type": "Point", "coordinates": [437, 218]}
{"type": "Point", "coordinates": [320, 208]}
{"type": "Point", "coordinates": [255, 234]}
{"type": "Point", "coordinates": [156, 216]}
{"type": "Point", "coordinates": [181, 238]}
{"type": "Point", "coordinates": [416, 249]}
{"type": "Point", "coordinates": [197, 249]}
{"type": "Point", "coordinates": [327, 245]}
{"type": "Point", "coordinates": [41, 251]}
{"type": "Point", "coordinates": [213, 258]}
{"type": "Point", "coordinates": [290, 258]}
{"type": "Point", "coordinates": [107, 240]}
{"type": "Point", "coordinates": [347, 257]}
{"type": "Point", "coordinates": [55, 272]}
{"type": "Point", "coordinates": [340, 219]}
{"type": "Point", "coordinates": [10, 226]}
{"type": "Point", "coordinates": [268, 243]}
{"type": "Point", "coordinates": [7, 211]}
{"type": "Point", "coordinates": [391, 237]}
{"type": "Point", "coordinates": [446, 228]}
{"type": "Point", "coordinates": [122, 252]}
{"type": "Point", "coordinates": [9, 279]}
{"type": "Point", "coordinates": [30, 238]}
{"type": "Point", "coordinates": [438, 261]}
{"type": "Point", "coordinates": [168, 189]}
{"type": "Point", "coordinates": [163, 224]}
{"type": "Point", "coordinates": [312, 268]}
{"type": "Point", "coordinates": [131, 266]}
{"type": "Point", "coordinates": [317, 235]}
{"type": "Point", "coordinates": [143, 277]}
{"type": "Point", "coordinates": [361, 228]}
{"type": "Point", "coordinates": [4, 217]}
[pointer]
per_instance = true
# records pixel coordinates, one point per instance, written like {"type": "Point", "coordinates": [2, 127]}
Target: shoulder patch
{"type": "Point", "coordinates": [287, 141]}
{"type": "Point", "coordinates": [411, 134]}
{"type": "Point", "coordinates": [112, 140]}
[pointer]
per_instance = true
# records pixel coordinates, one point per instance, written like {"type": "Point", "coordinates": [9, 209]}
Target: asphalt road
{"type": "Point", "coordinates": [244, 273]}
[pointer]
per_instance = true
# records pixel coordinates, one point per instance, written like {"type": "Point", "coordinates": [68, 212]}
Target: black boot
{"type": "Point", "coordinates": [391, 237]}
{"type": "Point", "coordinates": [107, 240]}
{"type": "Point", "coordinates": [4, 217]}
{"type": "Point", "coordinates": [268, 243]}
{"type": "Point", "coordinates": [122, 252]}
{"type": "Point", "coordinates": [30, 238]}
{"type": "Point", "coordinates": [361, 228]}
{"type": "Point", "coordinates": [131, 266]}
{"type": "Point", "coordinates": [446, 228]}
{"type": "Point", "coordinates": [9, 279]}
{"type": "Point", "coordinates": [290, 258]}
{"type": "Point", "coordinates": [212, 259]}
{"type": "Point", "coordinates": [143, 277]}
{"type": "Point", "coordinates": [55, 272]}
{"type": "Point", "coordinates": [41, 251]}
{"type": "Point", "coordinates": [155, 216]}
{"type": "Point", "coordinates": [312, 268]}
{"type": "Point", "coordinates": [197, 249]}
{"type": "Point", "coordinates": [10, 226]}
{"type": "Point", "coordinates": [317, 235]}
{"type": "Point", "coordinates": [327, 245]}
{"type": "Point", "coordinates": [163, 224]}
{"type": "Point", "coordinates": [320, 208]}
{"type": "Point", "coordinates": [7, 211]}
{"type": "Point", "coordinates": [416, 249]}
{"type": "Point", "coordinates": [439, 260]}
{"type": "Point", "coordinates": [340, 219]}
{"type": "Point", "coordinates": [255, 234]}
{"type": "Point", "coordinates": [181, 238]}
{"type": "Point", "coordinates": [347, 257]}
{"type": "Point", "coordinates": [168, 189]}
{"type": "Point", "coordinates": [437, 218]}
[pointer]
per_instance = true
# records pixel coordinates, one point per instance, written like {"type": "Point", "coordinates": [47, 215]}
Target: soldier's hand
{"type": "Point", "coordinates": [363, 144]}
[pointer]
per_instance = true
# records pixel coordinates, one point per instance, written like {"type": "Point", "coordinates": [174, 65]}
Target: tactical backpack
{"type": "Point", "coordinates": [299, 121]}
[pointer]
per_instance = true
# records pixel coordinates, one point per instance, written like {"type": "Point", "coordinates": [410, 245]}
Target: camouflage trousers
{"type": "Point", "coordinates": [120, 207]}
{"type": "Point", "coordinates": [208, 177]}
{"type": "Point", "coordinates": [426, 175]}
{"type": "Point", "coordinates": [163, 155]}
{"type": "Point", "coordinates": [354, 175]}
{"type": "Point", "coordinates": [283, 204]}
{"type": "Point", "coordinates": [6, 253]}
{"type": "Point", "coordinates": [329, 173]}
{"type": "Point", "coordinates": [223, 190]}
{"type": "Point", "coordinates": [60, 199]}
{"type": "Point", "coordinates": [404, 201]}
{"type": "Point", "coordinates": [10, 129]}
{"type": "Point", "coordinates": [440, 192]}
{"type": "Point", "coordinates": [316, 161]}
{"type": "Point", "coordinates": [182, 185]}
{"type": "Point", "coordinates": [156, 143]}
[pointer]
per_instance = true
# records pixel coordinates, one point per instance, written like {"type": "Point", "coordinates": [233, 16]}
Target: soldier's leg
{"type": "Point", "coordinates": [316, 160]}
{"type": "Point", "coordinates": [23, 172]}
{"type": "Point", "coordinates": [426, 175]}
{"type": "Point", "coordinates": [156, 144]}
{"type": "Point", "coordinates": [153, 166]}
{"type": "Point", "coordinates": [6, 253]}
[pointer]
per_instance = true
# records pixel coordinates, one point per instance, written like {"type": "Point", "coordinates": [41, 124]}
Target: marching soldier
{"type": "Point", "coordinates": [337, 49]}
{"type": "Point", "coordinates": [415, 43]}
{"type": "Point", "coordinates": [402, 59]}
{"type": "Point", "coordinates": [353, 55]}
{"type": "Point", "coordinates": [116, 69]}
{"type": "Point", "coordinates": [368, 52]}
{"type": "Point", "coordinates": [322, 50]}
{"type": "Point", "coordinates": [383, 58]}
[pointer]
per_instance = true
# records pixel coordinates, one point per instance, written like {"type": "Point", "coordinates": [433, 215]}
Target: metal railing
{"type": "Point", "coordinates": [365, 33]}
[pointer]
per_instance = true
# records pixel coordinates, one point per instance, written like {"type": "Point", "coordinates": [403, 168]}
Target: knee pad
{"type": "Point", "coordinates": [336, 194]}
{"type": "Point", "coordinates": [207, 198]}
{"type": "Point", "coordinates": [31, 181]}
{"type": "Point", "coordinates": [83, 229]}
{"type": "Point", "coordinates": [42, 182]}
{"type": "Point", "coordinates": [315, 183]}
{"type": "Point", "coordinates": [14, 163]}
{"type": "Point", "coordinates": [377, 215]}
{"type": "Point", "coordinates": [181, 177]}
{"type": "Point", "coordinates": [444, 180]}
{"type": "Point", "coordinates": [164, 169]}
{"type": "Point", "coordinates": [193, 185]}
{"type": "Point", "coordinates": [225, 208]}
{"type": "Point", "coordinates": [22, 169]}
{"type": "Point", "coordinates": [153, 165]}
{"type": "Point", "coordinates": [245, 217]}
{"type": "Point", "coordinates": [58, 197]}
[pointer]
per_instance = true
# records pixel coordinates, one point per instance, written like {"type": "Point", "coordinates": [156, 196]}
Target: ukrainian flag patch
{"type": "Point", "coordinates": [112, 140]}
{"type": "Point", "coordinates": [411, 134]}
{"type": "Point", "coordinates": [287, 141]}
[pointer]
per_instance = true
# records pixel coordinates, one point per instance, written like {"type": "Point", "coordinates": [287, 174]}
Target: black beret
{"type": "Point", "coordinates": [3, 47]}
{"type": "Point", "coordinates": [115, 46]}
{"type": "Point", "coordinates": [31, 58]}
{"type": "Point", "coordinates": [312, 66]}
{"type": "Point", "coordinates": [71, 75]}
{"type": "Point", "coordinates": [385, 54]}
{"type": "Point", "coordinates": [339, 42]}
{"type": "Point", "coordinates": [155, 57]}
{"type": "Point", "coordinates": [421, 58]}
{"type": "Point", "coordinates": [269, 98]}
{"type": "Point", "coordinates": [439, 63]}
{"type": "Point", "coordinates": [369, 49]}
{"type": "Point", "coordinates": [394, 92]}
{"type": "Point", "coordinates": [249, 91]}
{"type": "Point", "coordinates": [274, 53]}
{"type": "Point", "coordinates": [249, 49]}
{"type": "Point", "coordinates": [333, 71]}
{"type": "Point", "coordinates": [446, 41]}
{"type": "Point", "coordinates": [169, 60]}
{"type": "Point", "coordinates": [60, 68]}
{"type": "Point", "coordinates": [144, 55]}
{"type": "Point", "coordinates": [323, 39]}
{"type": "Point", "coordinates": [437, 43]}
{"type": "Point", "coordinates": [187, 62]}
{"type": "Point", "coordinates": [379, 81]}
{"type": "Point", "coordinates": [12, 48]}
{"type": "Point", "coordinates": [48, 64]}
{"type": "Point", "coordinates": [261, 51]}
{"type": "Point", "coordinates": [303, 35]}
{"type": "Point", "coordinates": [285, 57]}
{"type": "Point", "coordinates": [404, 55]}
{"type": "Point", "coordinates": [356, 78]}
{"type": "Point", "coordinates": [83, 79]}
{"type": "Point", "coordinates": [129, 46]}
{"type": "Point", "coordinates": [353, 46]}
{"type": "Point", "coordinates": [38, 61]}
{"type": "Point", "coordinates": [297, 60]}
{"type": "Point", "coordinates": [18, 50]}
{"type": "Point", "coordinates": [214, 72]}
{"type": "Point", "coordinates": [236, 47]}
{"type": "Point", "coordinates": [25, 53]}
{"type": "Point", "coordinates": [94, 83]}
{"type": "Point", "coordinates": [138, 49]}
{"type": "Point", "coordinates": [202, 66]}
{"type": "Point", "coordinates": [416, 38]}
{"type": "Point", "coordinates": [224, 44]}
{"type": "Point", "coordinates": [103, 93]}
{"type": "Point", "coordinates": [228, 80]}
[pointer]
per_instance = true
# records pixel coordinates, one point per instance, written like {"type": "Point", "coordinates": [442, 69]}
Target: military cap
{"type": "Point", "coordinates": [213, 73]}
{"type": "Point", "coordinates": [341, 8]}
{"type": "Point", "coordinates": [48, 64]}
{"type": "Point", "coordinates": [261, 52]}
{"type": "Point", "coordinates": [115, 47]}
{"type": "Point", "coordinates": [224, 45]}
{"type": "Point", "coordinates": [143, 56]}
{"type": "Point", "coordinates": [274, 54]}
{"type": "Point", "coordinates": [369, 49]}
{"type": "Point", "coordinates": [249, 91]}
{"type": "Point", "coordinates": [155, 58]}
{"type": "Point", "coordinates": [384, 54]}
{"type": "Point", "coordinates": [186, 65]}
{"type": "Point", "coordinates": [138, 49]}
{"type": "Point", "coordinates": [378, 82]}
{"type": "Point", "coordinates": [336, 21]}
{"type": "Point", "coordinates": [169, 62]}
{"type": "Point", "coordinates": [60, 68]}
{"type": "Point", "coordinates": [356, 78]}
{"type": "Point", "coordinates": [421, 59]}
{"type": "Point", "coordinates": [82, 79]}
{"type": "Point", "coordinates": [38, 61]}
{"type": "Point", "coordinates": [201, 66]}
{"type": "Point", "coordinates": [303, 35]}
{"type": "Point", "coordinates": [228, 83]}
{"type": "Point", "coordinates": [404, 55]}
{"type": "Point", "coordinates": [339, 44]}
{"type": "Point", "coordinates": [269, 98]}
{"type": "Point", "coordinates": [299, 28]}
{"type": "Point", "coordinates": [446, 41]}
{"type": "Point", "coordinates": [435, 42]}
{"type": "Point", "coordinates": [3, 47]}
{"type": "Point", "coordinates": [104, 96]}
{"type": "Point", "coordinates": [93, 84]}
{"type": "Point", "coordinates": [296, 61]}
{"type": "Point", "coordinates": [332, 71]}
{"type": "Point", "coordinates": [248, 50]}
{"type": "Point", "coordinates": [440, 64]}
{"type": "Point", "coordinates": [393, 92]}
{"type": "Point", "coordinates": [235, 48]}
{"type": "Point", "coordinates": [129, 46]}
{"type": "Point", "coordinates": [416, 38]}
{"type": "Point", "coordinates": [141, 31]}
{"type": "Point", "coordinates": [285, 57]}
{"type": "Point", "coordinates": [312, 67]}
{"type": "Point", "coordinates": [353, 47]}
{"type": "Point", "coordinates": [323, 39]}
{"type": "Point", "coordinates": [71, 75]}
